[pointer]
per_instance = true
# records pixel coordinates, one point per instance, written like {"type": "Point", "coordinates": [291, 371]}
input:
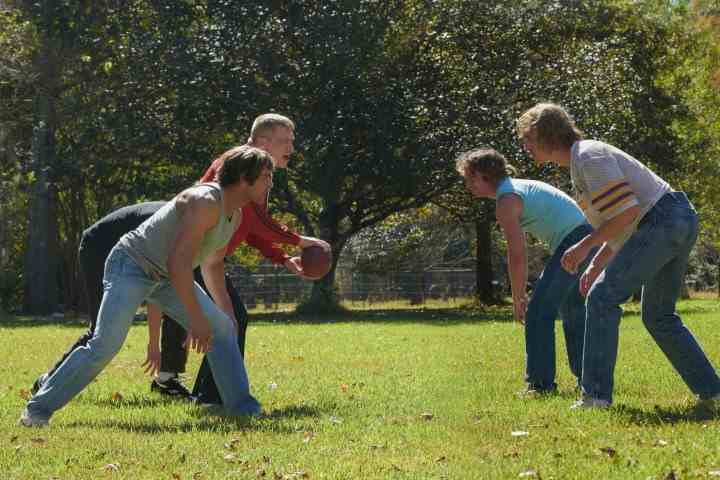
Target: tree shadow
{"type": "Point", "coordinates": [666, 415]}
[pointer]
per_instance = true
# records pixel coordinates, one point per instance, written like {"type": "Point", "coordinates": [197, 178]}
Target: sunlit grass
{"type": "Point", "coordinates": [387, 395]}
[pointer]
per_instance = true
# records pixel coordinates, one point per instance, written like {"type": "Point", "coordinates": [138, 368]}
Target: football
{"type": "Point", "coordinates": [316, 261]}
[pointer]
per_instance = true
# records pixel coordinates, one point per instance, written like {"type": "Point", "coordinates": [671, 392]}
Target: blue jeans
{"type": "Point", "coordinates": [654, 257]}
{"type": "Point", "coordinates": [126, 286]}
{"type": "Point", "coordinates": [556, 291]}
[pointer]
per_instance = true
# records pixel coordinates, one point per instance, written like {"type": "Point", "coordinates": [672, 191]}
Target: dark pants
{"type": "Point", "coordinates": [205, 389]}
{"type": "Point", "coordinates": [92, 267]}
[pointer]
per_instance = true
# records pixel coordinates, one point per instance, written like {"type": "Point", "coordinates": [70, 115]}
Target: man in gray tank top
{"type": "Point", "coordinates": [155, 263]}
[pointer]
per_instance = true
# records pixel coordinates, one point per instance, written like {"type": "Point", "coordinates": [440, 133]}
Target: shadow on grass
{"type": "Point", "coordinates": [133, 401]}
{"type": "Point", "coordinates": [432, 316]}
{"type": "Point", "coordinates": [666, 415]}
{"type": "Point", "coordinates": [210, 422]}
{"type": "Point", "coordinates": [439, 316]}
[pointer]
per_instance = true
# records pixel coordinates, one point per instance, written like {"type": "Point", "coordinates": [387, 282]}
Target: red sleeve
{"type": "Point", "coordinates": [262, 225]}
{"type": "Point", "coordinates": [210, 173]}
{"type": "Point", "coordinates": [269, 250]}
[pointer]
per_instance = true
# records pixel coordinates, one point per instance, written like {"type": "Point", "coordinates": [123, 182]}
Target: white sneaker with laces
{"type": "Point", "coordinates": [27, 420]}
{"type": "Point", "coordinates": [590, 402]}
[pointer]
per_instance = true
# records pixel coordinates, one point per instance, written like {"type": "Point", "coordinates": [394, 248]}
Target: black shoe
{"type": "Point", "coordinates": [172, 387]}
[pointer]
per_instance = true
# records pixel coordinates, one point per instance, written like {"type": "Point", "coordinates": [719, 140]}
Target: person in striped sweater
{"type": "Point", "coordinates": [645, 231]}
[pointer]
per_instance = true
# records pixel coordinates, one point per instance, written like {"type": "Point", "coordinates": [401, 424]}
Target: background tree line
{"type": "Point", "coordinates": [107, 103]}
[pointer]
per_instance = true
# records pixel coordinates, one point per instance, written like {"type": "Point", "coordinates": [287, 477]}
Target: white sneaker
{"type": "Point", "coordinates": [27, 420]}
{"type": "Point", "coordinates": [590, 402]}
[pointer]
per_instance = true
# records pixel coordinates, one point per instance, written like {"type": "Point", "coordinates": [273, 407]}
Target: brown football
{"type": "Point", "coordinates": [316, 261]}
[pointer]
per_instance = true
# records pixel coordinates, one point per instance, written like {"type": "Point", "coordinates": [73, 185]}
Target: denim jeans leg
{"type": "Point", "coordinates": [660, 295]}
{"type": "Point", "coordinates": [573, 315]}
{"type": "Point", "coordinates": [225, 360]}
{"type": "Point", "coordinates": [551, 291]}
{"type": "Point", "coordinates": [660, 239]}
{"type": "Point", "coordinates": [125, 287]}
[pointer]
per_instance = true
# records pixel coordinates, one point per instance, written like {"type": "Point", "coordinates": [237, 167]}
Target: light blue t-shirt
{"type": "Point", "coordinates": [548, 213]}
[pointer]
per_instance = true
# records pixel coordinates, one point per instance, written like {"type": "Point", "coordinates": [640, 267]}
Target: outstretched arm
{"type": "Point", "coordinates": [198, 214]}
{"type": "Point", "coordinates": [508, 211]}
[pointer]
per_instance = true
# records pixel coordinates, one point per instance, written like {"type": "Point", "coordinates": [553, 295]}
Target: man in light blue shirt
{"type": "Point", "coordinates": [554, 218]}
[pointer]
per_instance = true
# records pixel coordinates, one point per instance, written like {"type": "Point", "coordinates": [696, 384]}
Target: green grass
{"type": "Point", "coordinates": [385, 395]}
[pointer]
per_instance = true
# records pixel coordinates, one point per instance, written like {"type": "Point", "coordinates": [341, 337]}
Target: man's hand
{"type": "Point", "coordinates": [294, 266]}
{"type": "Point", "coordinates": [588, 278]}
{"type": "Point", "coordinates": [152, 362]}
{"type": "Point", "coordinates": [199, 335]}
{"type": "Point", "coordinates": [520, 308]}
{"type": "Point", "coordinates": [575, 255]}
{"type": "Point", "coordinates": [310, 241]}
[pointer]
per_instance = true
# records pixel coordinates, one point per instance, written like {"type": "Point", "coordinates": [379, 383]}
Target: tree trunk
{"type": "Point", "coordinates": [483, 266]}
{"type": "Point", "coordinates": [41, 292]}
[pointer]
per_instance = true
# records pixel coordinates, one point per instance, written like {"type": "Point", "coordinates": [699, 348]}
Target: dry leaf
{"type": "Point", "coordinates": [116, 397]}
{"type": "Point", "coordinates": [37, 440]}
{"type": "Point", "coordinates": [24, 394]}
{"type": "Point", "coordinates": [197, 475]}
{"type": "Point", "coordinates": [661, 443]}
{"type": "Point", "coordinates": [529, 474]}
{"type": "Point", "coordinates": [609, 451]}
{"type": "Point", "coordinates": [111, 467]}
{"type": "Point", "coordinates": [519, 433]}
{"type": "Point", "coordinates": [440, 459]}
{"type": "Point", "coordinates": [427, 416]}
{"type": "Point", "coordinates": [307, 436]}
{"type": "Point", "coordinates": [176, 476]}
{"type": "Point", "coordinates": [344, 387]}
{"type": "Point", "coordinates": [232, 444]}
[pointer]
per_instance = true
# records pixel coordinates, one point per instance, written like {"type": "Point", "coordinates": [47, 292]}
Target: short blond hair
{"type": "Point", "coordinates": [267, 122]}
{"type": "Point", "coordinates": [549, 125]}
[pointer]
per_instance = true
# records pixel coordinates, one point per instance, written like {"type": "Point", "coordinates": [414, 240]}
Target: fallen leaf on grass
{"type": "Point", "coordinates": [111, 467]}
{"type": "Point", "coordinates": [427, 416]}
{"type": "Point", "coordinates": [116, 397]}
{"type": "Point", "coordinates": [440, 459]}
{"type": "Point", "coordinates": [24, 394]}
{"type": "Point", "coordinates": [307, 436]}
{"type": "Point", "coordinates": [661, 443]}
{"type": "Point", "coordinates": [344, 387]}
{"type": "Point", "coordinates": [519, 433]}
{"type": "Point", "coordinates": [529, 474]}
{"type": "Point", "coordinates": [376, 446]}
{"type": "Point", "coordinates": [232, 444]}
{"type": "Point", "coordinates": [38, 441]}
{"type": "Point", "coordinates": [176, 476]}
{"type": "Point", "coordinates": [609, 451]}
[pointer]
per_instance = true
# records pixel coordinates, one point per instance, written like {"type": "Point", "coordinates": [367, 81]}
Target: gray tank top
{"type": "Point", "coordinates": [149, 244]}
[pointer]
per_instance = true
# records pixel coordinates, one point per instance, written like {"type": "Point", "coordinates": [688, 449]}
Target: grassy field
{"type": "Point", "coordinates": [385, 395]}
